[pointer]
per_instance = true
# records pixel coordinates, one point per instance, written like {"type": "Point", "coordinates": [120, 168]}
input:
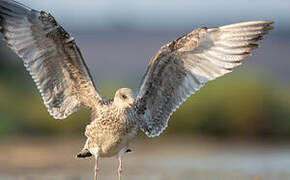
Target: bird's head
{"type": "Point", "coordinates": [124, 98]}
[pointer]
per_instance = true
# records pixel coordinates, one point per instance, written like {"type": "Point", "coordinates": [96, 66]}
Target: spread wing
{"type": "Point", "coordinates": [51, 56]}
{"type": "Point", "coordinates": [183, 66]}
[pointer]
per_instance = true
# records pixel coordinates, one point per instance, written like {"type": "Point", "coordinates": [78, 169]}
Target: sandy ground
{"type": "Point", "coordinates": [165, 158]}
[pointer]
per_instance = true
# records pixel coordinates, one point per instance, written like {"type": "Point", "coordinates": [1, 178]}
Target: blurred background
{"type": "Point", "coordinates": [237, 127]}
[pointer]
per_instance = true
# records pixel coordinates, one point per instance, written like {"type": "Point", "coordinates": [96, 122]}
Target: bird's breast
{"type": "Point", "coordinates": [111, 131]}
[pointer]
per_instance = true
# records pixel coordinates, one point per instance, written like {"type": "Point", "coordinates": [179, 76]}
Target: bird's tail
{"type": "Point", "coordinates": [84, 154]}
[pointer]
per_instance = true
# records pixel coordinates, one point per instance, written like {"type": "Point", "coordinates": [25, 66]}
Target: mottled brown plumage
{"type": "Point", "coordinates": [177, 70]}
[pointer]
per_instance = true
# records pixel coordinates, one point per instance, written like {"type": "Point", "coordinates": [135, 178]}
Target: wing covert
{"type": "Point", "coordinates": [182, 67]}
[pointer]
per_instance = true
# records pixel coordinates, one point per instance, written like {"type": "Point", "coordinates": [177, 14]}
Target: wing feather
{"type": "Point", "coordinates": [182, 67]}
{"type": "Point", "coordinates": [51, 56]}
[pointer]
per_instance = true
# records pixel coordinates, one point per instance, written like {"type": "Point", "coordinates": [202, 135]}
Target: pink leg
{"type": "Point", "coordinates": [120, 166]}
{"type": "Point", "coordinates": [96, 168]}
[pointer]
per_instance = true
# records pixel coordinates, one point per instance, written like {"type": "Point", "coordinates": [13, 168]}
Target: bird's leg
{"type": "Point", "coordinates": [120, 167]}
{"type": "Point", "coordinates": [120, 158]}
{"type": "Point", "coordinates": [96, 168]}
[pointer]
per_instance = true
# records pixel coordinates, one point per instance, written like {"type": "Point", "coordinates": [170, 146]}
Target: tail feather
{"type": "Point", "coordinates": [84, 154]}
{"type": "Point", "coordinates": [128, 150]}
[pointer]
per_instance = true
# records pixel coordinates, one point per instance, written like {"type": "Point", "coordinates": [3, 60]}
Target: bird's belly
{"type": "Point", "coordinates": [112, 146]}
{"type": "Point", "coordinates": [109, 141]}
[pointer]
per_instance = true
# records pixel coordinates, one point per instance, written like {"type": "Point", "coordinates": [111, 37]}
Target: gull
{"type": "Point", "coordinates": [175, 72]}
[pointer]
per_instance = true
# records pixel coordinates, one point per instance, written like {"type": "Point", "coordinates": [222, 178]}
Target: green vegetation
{"type": "Point", "coordinates": [235, 105]}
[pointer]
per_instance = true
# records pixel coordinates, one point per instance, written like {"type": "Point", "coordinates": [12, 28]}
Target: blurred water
{"type": "Point", "coordinates": [153, 159]}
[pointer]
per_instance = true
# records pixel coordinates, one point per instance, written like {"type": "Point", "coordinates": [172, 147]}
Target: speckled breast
{"type": "Point", "coordinates": [112, 131]}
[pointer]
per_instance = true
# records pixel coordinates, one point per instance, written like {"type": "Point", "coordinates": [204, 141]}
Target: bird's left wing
{"type": "Point", "coordinates": [51, 56]}
{"type": "Point", "coordinates": [183, 66]}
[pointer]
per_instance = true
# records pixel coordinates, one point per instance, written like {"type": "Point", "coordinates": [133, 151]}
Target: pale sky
{"type": "Point", "coordinates": [162, 14]}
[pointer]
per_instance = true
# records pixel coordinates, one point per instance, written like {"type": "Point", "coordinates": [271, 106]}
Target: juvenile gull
{"type": "Point", "coordinates": [179, 68]}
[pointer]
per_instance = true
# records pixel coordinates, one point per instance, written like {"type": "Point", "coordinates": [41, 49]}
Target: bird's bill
{"type": "Point", "coordinates": [132, 105]}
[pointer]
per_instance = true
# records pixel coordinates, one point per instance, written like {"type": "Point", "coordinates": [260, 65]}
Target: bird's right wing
{"type": "Point", "coordinates": [51, 56]}
{"type": "Point", "coordinates": [183, 66]}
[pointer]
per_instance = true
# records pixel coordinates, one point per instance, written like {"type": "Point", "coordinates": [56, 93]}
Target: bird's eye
{"type": "Point", "coordinates": [124, 96]}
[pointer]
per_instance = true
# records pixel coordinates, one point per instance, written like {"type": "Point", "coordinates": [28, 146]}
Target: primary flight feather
{"type": "Point", "coordinates": [178, 69]}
